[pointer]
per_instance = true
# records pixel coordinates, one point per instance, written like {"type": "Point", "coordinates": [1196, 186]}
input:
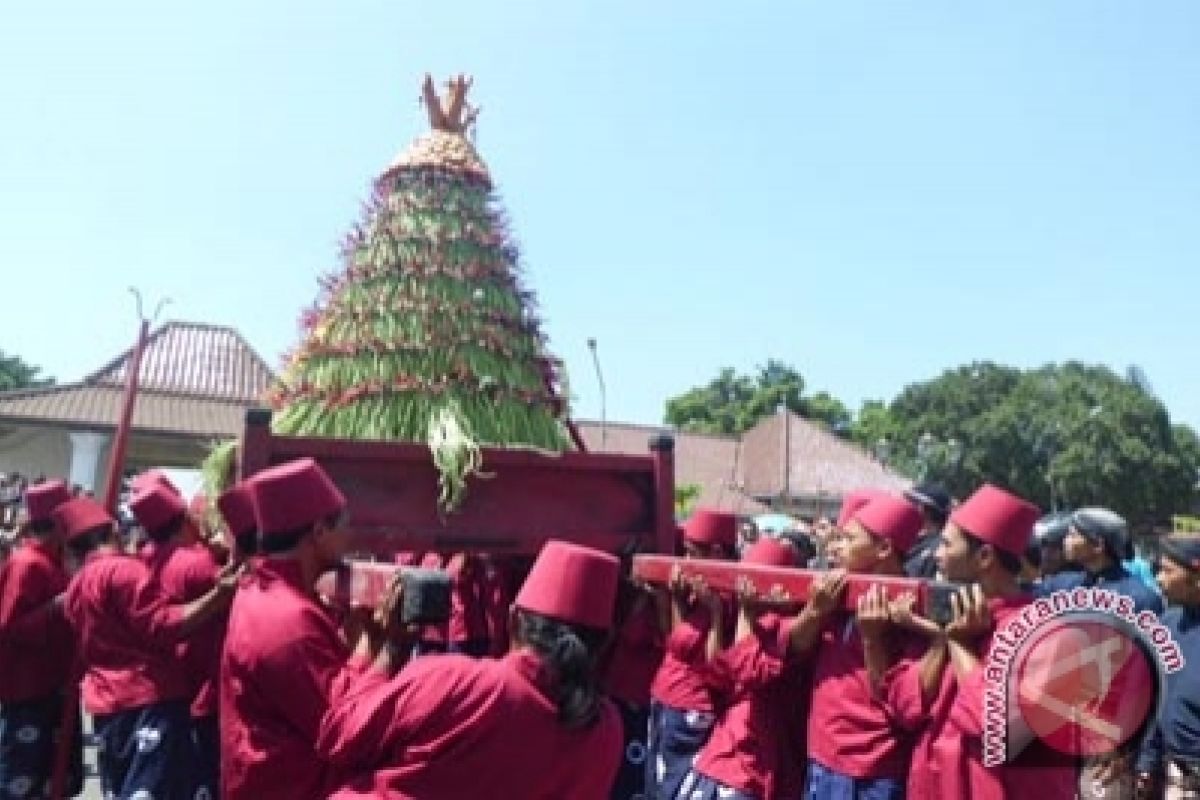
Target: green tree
{"type": "Point", "coordinates": [685, 499]}
{"type": "Point", "coordinates": [16, 373]}
{"type": "Point", "coordinates": [731, 404]}
{"type": "Point", "coordinates": [1062, 435]}
{"type": "Point", "coordinates": [827, 409]}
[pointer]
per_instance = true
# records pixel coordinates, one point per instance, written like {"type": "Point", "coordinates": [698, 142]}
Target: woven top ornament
{"type": "Point", "coordinates": [447, 145]}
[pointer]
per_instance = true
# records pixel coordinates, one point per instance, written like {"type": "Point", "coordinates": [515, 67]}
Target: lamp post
{"type": "Point", "coordinates": [591, 343]}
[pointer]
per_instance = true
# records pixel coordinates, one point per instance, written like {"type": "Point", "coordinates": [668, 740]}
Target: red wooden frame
{"type": "Point", "coordinates": [727, 576]}
{"type": "Point", "coordinates": [358, 583]}
{"type": "Point", "coordinates": [619, 503]}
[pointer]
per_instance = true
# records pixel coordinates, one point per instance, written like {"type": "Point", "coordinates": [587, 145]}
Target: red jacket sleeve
{"type": "Point", "coordinates": [318, 673]}
{"type": "Point", "coordinates": [201, 575]}
{"type": "Point", "coordinates": [366, 722]}
{"type": "Point", "coordinates": [966, 713]}
{"type": "Point", "coordinates": [606, 758]}
{"type": "Point", "coordinates": [751, 662]}
{"type": "Point", "coordinates": [136, 595]}
{"type": "Point", "coordinates": [900, 691]}
{"type": "Point", "coordinates": [25, 617]}
{"type": "Point", "coordinates": [685, 637]}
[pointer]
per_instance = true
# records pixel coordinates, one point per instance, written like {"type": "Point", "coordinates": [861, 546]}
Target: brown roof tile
{"type": "Point", "coordinates": [76, 405]}
{"type": "Point", "coordinates": [196, 380]}
{"type": "Point", "coordinates": [710, 462]}
{"type": "Point", "coordinates": [195, 359]}
{"type": "Point", "coordinates": [820, 463]}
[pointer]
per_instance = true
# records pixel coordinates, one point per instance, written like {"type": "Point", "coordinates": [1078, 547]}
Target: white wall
{"type": "Point", "coordinates": [36, 451]}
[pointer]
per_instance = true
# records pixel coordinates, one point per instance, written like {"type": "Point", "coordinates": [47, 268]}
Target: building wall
{"type": "Point", "coordinates": [36, 451]}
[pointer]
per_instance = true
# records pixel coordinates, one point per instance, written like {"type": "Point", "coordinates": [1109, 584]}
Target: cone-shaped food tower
{"type": "Point", "coordinates": [425, 333]}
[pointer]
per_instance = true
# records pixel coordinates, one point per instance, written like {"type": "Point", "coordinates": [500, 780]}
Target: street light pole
{"type": "Point", "coordinates": [591, 343]}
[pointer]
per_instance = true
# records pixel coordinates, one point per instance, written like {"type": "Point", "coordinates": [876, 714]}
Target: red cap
{"type": "Point", "coordinates": [293, 495]}
{"type": "Point", "coordinates": [770, 552]}
{"type": "Point", "coordinates": [149, 478]}
{"type": "Point", "coordinates": [237, 508]}
{"type": "Point", "coordinates": [154, 506]}
{"type": "Point", "coordinates": [42, 498]}
{"type": "Point", "coordinates": [81, 515]}
{"type": "Point", "coordinates": [852, 502]}
{"type": "Point", "coordinates": [997, 517]}
{"type": "Point", "coordinates": [893, 519]}
{"type": "Point", "coordinates": [706, 526]}
{"type": "Point", "coordinates": [572, 584]}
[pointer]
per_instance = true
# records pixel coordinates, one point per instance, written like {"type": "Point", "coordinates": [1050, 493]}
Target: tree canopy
{"type": "Point", "coordinates": [733, 403]}
{"type": "Point", "coordinates": [15, 373]}
{"type": "Point", "coordinates": [1064, 435]}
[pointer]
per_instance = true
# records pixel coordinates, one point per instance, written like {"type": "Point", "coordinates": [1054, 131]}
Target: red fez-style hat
{"type": "Point", "coordinates": [998, 518]}
{"type": "Point", "coordinates": [155, 506]}
{"type": "Point", "coordinates": [852, 502]}
{"type": "Point", "coordinates": [572, 584]}
{"type": "Point", "coordinates": [80, 516]}
{"type": "Point", "coordinates": [237, 509]}
{"type": "Point", "coordinates": [294, 495]}
{"type": "Point", "coordinates": [893, 519]}
{"type": "Point", "coordinates": [706, 526]}
{"type": "Point", "coordinates": [151, 478]}
{"type": "Point", "coordinates": [42, 498]}
{"type": "Point", "coordinates": [770, 552]}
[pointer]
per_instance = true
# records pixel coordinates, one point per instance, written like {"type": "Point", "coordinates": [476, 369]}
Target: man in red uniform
{"type": "Point", "coordinates": [184, 570]}
{"type": "Point", "coordinates": [133, 684]}
{"type": "Point", "coordinates": [981, 547]}
{"type": "Point", "coordinates": [530, 725]}
{"type": "Point", "coordinates": [284, 659]}
{"type": "Point", "coordinates": [626, 673]}
{"type": "Point", "coordinates": [37, 649]}
{"type": "Point", "coordinates": [744, 757]}
{"type": "Point", "coordinates": [682, 708]}
{"type": "Point", "coordinates": [859, 739]}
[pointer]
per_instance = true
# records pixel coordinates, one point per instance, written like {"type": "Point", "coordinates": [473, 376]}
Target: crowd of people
{"type": "Point", "coordinates": [211, 666]}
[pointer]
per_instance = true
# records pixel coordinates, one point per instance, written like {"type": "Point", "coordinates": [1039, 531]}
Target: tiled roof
{"type": "Point", "coordinates": [191, 358]}
{"type": "Point", "coordinates": [78, 405]}
{"type": "Point", "coordinates": [196, 380]}
{"type": "Point", "coordinates": [820, 463]}
{"type": "Point", "coordinates": [710, 462]}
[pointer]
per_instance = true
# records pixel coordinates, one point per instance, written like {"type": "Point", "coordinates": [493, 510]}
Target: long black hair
{"type": "Point", "coordinates": [570, 654]}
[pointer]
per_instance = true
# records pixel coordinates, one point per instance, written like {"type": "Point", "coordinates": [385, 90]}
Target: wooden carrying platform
{"type": "Point", "coordinates": [617, 503]}
{"type": "Point", "coordinates": [364, 583]}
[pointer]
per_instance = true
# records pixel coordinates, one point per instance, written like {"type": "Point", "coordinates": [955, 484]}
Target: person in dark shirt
{"type": "Point", "coordinates": [1050, 535]}
{"type": "Point", "coordinates": [1096, 540]}
{"type": "Point", "coordinates": [933, 501]}
{"type": "Point", "coordinates": [1171, 750]}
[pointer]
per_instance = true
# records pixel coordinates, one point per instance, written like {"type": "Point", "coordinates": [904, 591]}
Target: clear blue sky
{"type": "Point", "coordinates": [872, 191]}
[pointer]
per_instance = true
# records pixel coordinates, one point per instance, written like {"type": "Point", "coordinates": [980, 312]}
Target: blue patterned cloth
{"type": "Point", "coordinates": [28, 743]}
{"type": "Point", "coordinates": [825, 784]}
{"type": "Point", "coordinates": [148, 752]}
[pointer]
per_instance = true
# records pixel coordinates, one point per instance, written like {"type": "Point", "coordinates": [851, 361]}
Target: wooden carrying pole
{"type": "Point", "coordinates": [112, 495]}
{"type": "Point", "coordinates": [789, 585]}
